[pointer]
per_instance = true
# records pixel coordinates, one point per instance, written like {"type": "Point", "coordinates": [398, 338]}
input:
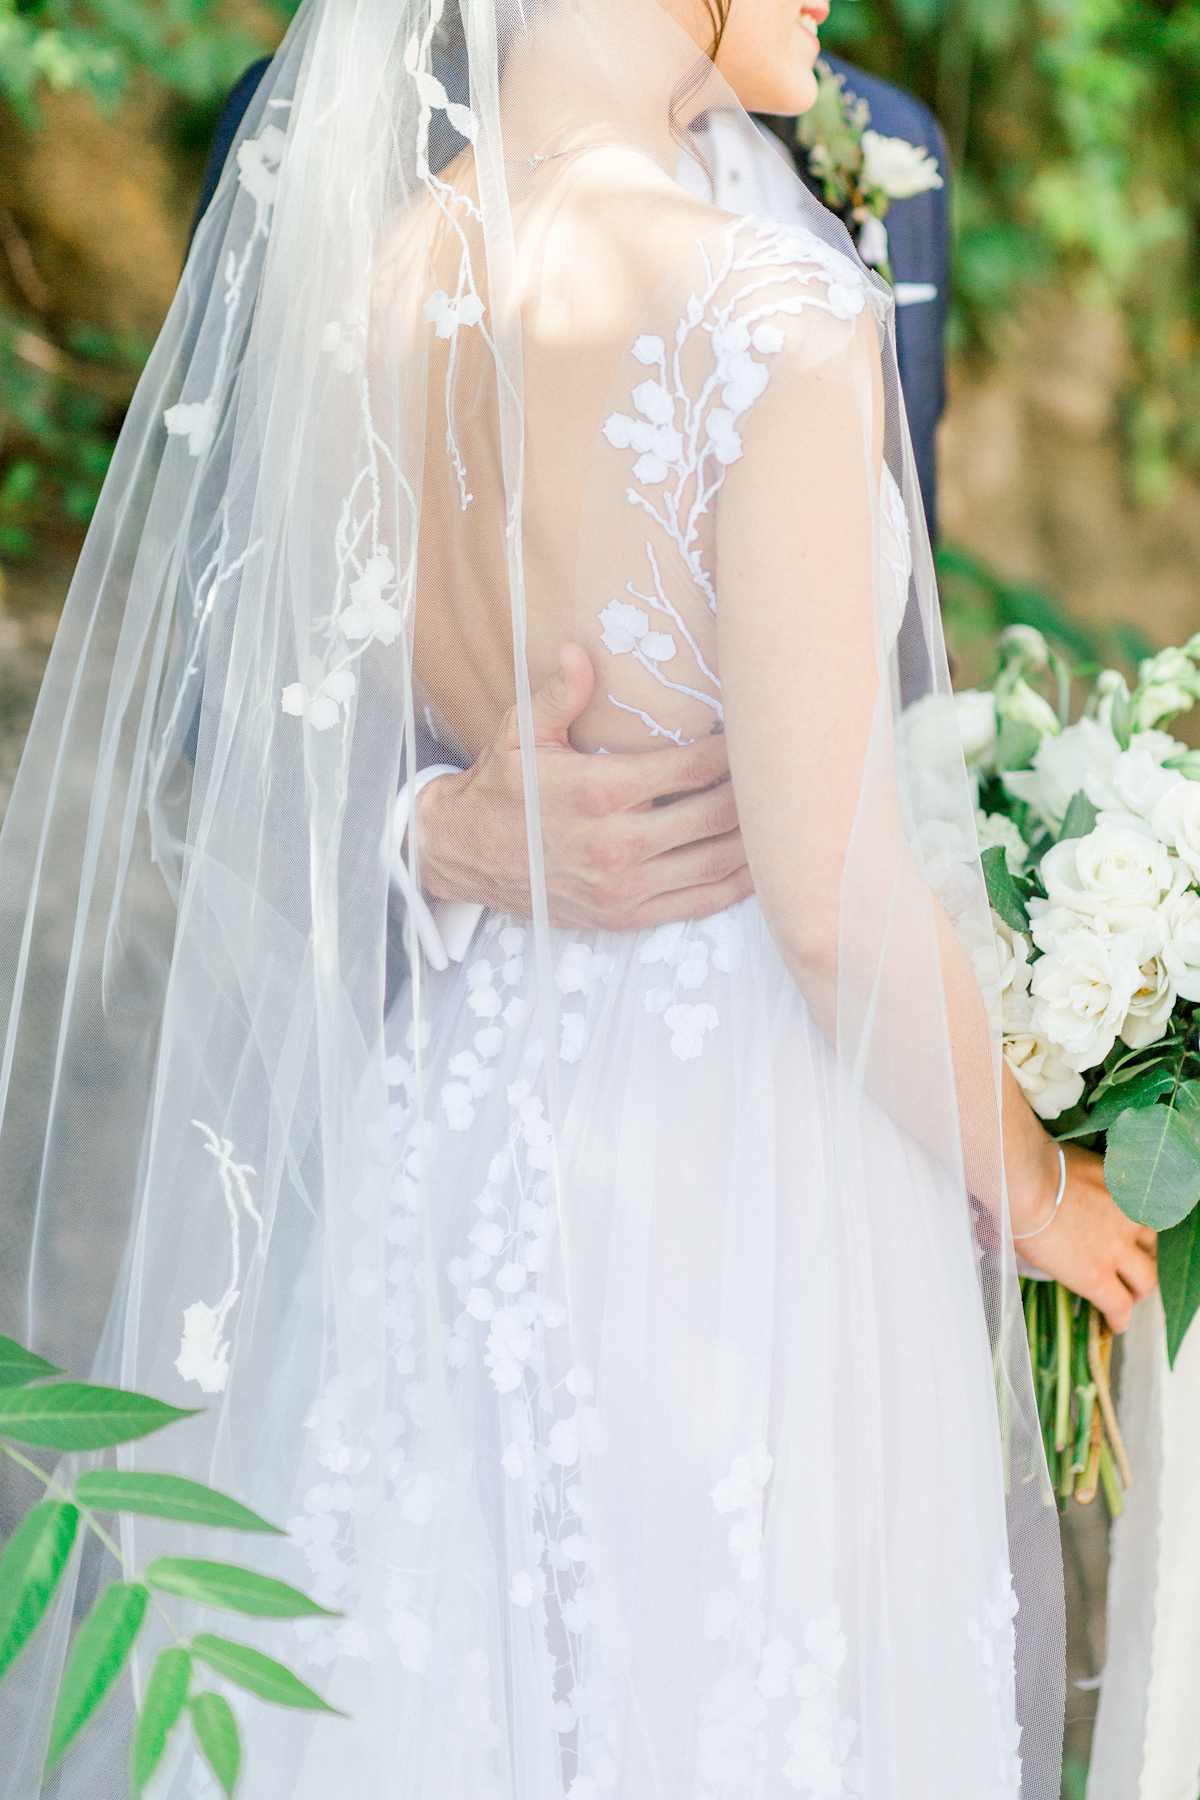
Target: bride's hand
{"type": "Point", "coordinates": [1089, 1244]}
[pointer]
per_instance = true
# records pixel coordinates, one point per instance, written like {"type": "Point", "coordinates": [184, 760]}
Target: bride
{"type": "Point", "coordinates": [624, 1326]}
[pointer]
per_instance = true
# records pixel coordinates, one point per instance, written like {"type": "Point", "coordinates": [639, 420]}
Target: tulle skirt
{"type": "Point", "coordinates": [720, 1513]}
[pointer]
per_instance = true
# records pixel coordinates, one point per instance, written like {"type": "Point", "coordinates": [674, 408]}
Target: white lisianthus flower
{"type": "Point", "coordinates": [1021, 704]}
{"type": "Point", "coordinates": [1014, 951]}
{"type": "Point", "coordinates": [1024, 643]}
{"type": "Point", "coordinates": [1049, 1084]}
{"type": "Point", "coordinates": [1081, 994]}
{"type": "Point", "coordinates": [975, 711]}
{"type": "Point", "coordinates": [932, 748]}
{"type": "Point", "coordinates": [1061, 765]}
{"type": "Point", "coordinates": [1176, 820]}
{"type": "Point", "coordinates": [1135, 784]}
{"type": "Point", "coordinates": [1179, 919]}
{"type": "Point", "coordinates": [1150, 1006]}
{"type": "Point", "coordinates": [994, 828]}
{"type": "Point", "coordinates": [1167, 684]}
{"type": "Point", "coordinates": [897, 168]}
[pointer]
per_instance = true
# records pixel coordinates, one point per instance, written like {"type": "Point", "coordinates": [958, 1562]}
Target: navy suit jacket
{"type": "Point", "coordinates": [918, 240]}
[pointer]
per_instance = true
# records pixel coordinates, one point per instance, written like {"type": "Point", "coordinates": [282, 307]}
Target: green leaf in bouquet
{"type": "Point", "coordinates": [73, 1416]}
{"type": "Point", "coordinates": [166, 1692]}
{"type": "Point", "coordinates": [258, 1674]}
{"type": "Point", "coordinates": [167, 1497]}
{"type": "Point", "coordinates": [1080, 817]}
{"type": "Point", "coordinates": [1152, 1163]}
{"type": "Point", "coordinates": [1179, 1278]}
{"type": "Point", "coordinates": [37, 1554]}
{"type": "Point", "coordinates": [97, 1657]}
{"type": "Point", "coordinates": [1142, 1088]}
{"type": "Point", "coordinates": [217, 1735]}
{"type": "Point", "coordinates": [223, 1584]}
{"type": "Point", "coordinates": [19, 1366]}
{"type": "Point", "coordinates": [1016, 744]}
{"type": "Point", "coordinates": [1003, 892]}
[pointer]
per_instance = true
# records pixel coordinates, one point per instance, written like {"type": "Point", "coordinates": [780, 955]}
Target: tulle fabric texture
{"type": "Point", "coordinates": [630, 1365]}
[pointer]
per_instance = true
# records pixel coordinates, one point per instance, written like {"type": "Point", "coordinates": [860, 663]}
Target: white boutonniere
{"type": "Point", "coordinates": [861, 171]}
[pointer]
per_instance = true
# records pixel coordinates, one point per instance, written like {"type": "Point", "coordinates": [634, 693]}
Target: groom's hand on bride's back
{"type": "Point", "coordinates": [629, 840]}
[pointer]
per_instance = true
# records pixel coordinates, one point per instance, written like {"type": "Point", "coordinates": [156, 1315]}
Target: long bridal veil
{"type": "Point", "coordinates": [214, 1154]}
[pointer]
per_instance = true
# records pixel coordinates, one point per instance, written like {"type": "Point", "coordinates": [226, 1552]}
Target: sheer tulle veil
{"type": "Point", "coordinates": [198, 952]}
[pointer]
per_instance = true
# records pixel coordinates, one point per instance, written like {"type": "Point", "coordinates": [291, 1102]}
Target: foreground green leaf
{"type": "Point", "coordinates": [1179, 1278]}
{"type": "Point", "coordinates": [1003, 893]}
{"type": "Point", "coordinates": [217, 1735]}
{"type": "Point", "coordinates": [167, 1497]}
{"type": "Point", "coordinates": [166, 1693]}
{"type": "Point", "coordinates": [75, 1416]}
{"type": "Point", "coordinates": [1152, 1166]}
{"type": "Point", "coordinates": [1141, 1091]}
{"type": "Point", "coordinates": [37, 1554]}
{"type": "Point", "coordinates": [18, 1365]}
{"type": "Point", "coordinates": [1080, 818]}
{"type": "Point", "coordinates": [223, 1584]}
{"type": "Point", "coordinates": [257, 1673]}
{"type": "Point", "coordinates": [1016, 744]}
{"type": "Point", "coordinates": [97, 1657]}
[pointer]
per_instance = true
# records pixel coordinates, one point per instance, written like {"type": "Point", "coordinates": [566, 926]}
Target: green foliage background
{"type": "Point", "coordinates": [1074, 128]}
{"type": "Point", "coordinates": [1073, 125]}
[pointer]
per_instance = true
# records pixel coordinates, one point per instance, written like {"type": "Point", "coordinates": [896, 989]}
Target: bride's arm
{"type": "Point", "coordinates": [800, 683]}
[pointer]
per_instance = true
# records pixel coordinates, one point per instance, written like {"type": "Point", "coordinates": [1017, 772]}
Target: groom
{"type": "Point", "coordinates": [639, 840]}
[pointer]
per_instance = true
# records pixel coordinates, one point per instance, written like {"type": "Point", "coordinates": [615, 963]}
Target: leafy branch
{"type": "Point", "coordinates": [38, 1410]}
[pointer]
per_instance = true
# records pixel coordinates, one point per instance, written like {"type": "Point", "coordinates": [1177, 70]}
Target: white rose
{"type": "Point", "coordinates": [975, 713]}
{"type": "Point", "coordinates": [1048, 1083]}
{"type": "Point", "coordinates": [1013, 949]}
{"type": "Point", "coordinates": [897, 168]}
{"type": "Point", "coordinates": [994, 828]}
{"type": "Point", "coordinates": [934, 758]}
{"type": "Point", "coordinates": [1081, 993]}
{"type": "Point", "coordinates": [1176, 820]}
{"type": "Point", "coordinates": [947, 859]}
{"type": "Point", "coordinates": [1112, 881]}
{"type": "Point", "coordinates": [1150, 1006]}
{"type": "Point", "coordinates": [1060, 766]}
{"type": "Point", "coordinates": [1179, 918]}
{"type": "Point", "coordinates": [1135, 784]}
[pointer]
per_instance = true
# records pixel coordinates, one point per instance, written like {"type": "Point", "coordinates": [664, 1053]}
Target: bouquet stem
{"type": "Point", "coordinates": [1070, 1347]}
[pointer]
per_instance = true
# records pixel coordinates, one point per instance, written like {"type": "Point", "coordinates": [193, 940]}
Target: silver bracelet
{"type": "Point", "coordinates": [1020, 1236]}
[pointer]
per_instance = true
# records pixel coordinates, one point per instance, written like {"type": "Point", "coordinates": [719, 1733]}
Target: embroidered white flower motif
{"type": "Point", "coordinates": [580, 967]}
{"type": "Point", "coordinates": [521, 1591]}
{"type": "Point", "coordinates": [821, 1738]}
{"type": "Point", "coordinates": [196, 420]}
{"type": "Point", "coordinates": [741, 1492]}
{"type": "Point", "coordinates": [570, 1047]}
{"type": "Point", "coordinates": [447, 315]}
{"type": "Point", "coordinates": [369, 615]}
{"type": "Point", "coordinates": [995, 1639]}
{"type": "Point", "coordinates": [203, 1355]}
{"type": "Point", "coordinates": [259, 160]}
{"type": "Point", "coordinates": [321, 708]}
{"type": "Point", "coordinates": [627, 628]}
{"type": "Point", "coordinates": [688, 1025]}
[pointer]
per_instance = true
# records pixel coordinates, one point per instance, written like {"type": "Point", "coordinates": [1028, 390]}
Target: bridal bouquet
{"type": "Point", "coordinates": [1090, 834]}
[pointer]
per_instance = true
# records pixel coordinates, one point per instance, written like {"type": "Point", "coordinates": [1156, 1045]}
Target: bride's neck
{"type": "Point", "coordinates": [596, 75]}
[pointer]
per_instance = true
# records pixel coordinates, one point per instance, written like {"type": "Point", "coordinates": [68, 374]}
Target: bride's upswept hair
{"type": "Point", "coordinates": [718, 12]}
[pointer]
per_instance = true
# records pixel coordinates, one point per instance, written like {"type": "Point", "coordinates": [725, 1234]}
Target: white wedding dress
{"type": "Point", "coordinates": [625, 1374]}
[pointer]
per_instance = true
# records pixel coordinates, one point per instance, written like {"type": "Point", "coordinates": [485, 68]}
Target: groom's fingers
{"type": "Point", "coordinates": [630, 779]}
{"type": "Point", "coordinates": [691, 820]}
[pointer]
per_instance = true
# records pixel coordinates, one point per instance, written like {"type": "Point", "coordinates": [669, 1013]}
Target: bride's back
{"type": "Point", "coordinates": [596, 236]}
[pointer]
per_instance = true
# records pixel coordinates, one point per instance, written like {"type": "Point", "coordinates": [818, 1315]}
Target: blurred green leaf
{"type": "Point", "coordinates": [1080, 817]}
{"type": "Point", "coordinates": [74, 1416]}
{"type": "Point", "coordinates": [166, 1692]}
{"type": "Point", "coordinates": [1003, 892]}
{"type": "Point", "coordinates": [225, 1585]}
{"type": "Point", "coordinates": [167, 1497]}
{"type": "Point", "coordinates": [37, 1554]}
{"type": "Point", "coordinates": [217, 1735]}
{"type": "Point", "coordinates": [97, 1657]}
{"type": "Point", "coordinates": [18, 1365]}
{"type": "Point", "coordinates": [257, 1673]}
